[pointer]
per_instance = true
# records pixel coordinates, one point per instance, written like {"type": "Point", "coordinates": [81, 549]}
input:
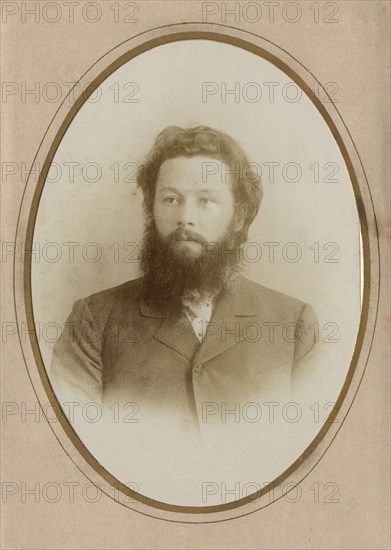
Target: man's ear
{"type": "Point", "coordinates": [240, 216]}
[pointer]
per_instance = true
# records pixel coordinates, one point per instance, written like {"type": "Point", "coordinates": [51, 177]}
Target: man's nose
{"type": "Point", "coordinates": [187, 214]}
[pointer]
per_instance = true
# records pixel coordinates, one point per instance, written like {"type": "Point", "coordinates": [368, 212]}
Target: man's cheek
{"type": "Point", "coordinates": [163, 221]}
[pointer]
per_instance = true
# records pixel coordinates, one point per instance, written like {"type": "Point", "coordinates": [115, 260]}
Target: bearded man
{"type": "Point", "coordinates": [192, 333]}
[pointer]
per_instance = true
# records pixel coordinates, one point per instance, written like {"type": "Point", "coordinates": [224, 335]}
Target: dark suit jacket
{"type": "Point", "coordinates": [119, 348]}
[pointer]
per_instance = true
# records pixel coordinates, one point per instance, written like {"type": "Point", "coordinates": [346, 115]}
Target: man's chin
{"type": "Point", "coordinates": [191, 249]}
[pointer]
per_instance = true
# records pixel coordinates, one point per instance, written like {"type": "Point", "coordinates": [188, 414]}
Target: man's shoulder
{"type": "Point", "coordinates": [124, 295]}
{"type": "Point", "coordinates": [250, 297]}
{"type": "Point", "coordinates": [262, 299]}
{"type": "Point", "coordinates": [123, 290]}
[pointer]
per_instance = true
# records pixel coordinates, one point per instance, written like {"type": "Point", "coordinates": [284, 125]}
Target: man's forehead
{"type": "Point", "coordinates": [199, 169]}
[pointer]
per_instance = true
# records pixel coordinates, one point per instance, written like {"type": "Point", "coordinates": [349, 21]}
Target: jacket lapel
{"type": "Point", "coordinates": [231, 315]}
{"type": "Point", "coordinates": [176, 333]}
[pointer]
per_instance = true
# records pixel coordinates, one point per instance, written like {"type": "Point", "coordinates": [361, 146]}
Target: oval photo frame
{"type": "Point", "coordinates": [73, 446]}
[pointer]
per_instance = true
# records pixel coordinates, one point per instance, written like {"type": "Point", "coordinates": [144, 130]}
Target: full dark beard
{"type": "Point", "coordinates": [173, 273]}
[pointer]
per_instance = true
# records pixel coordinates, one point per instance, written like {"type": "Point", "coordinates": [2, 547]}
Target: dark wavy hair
{"type": "Point", "coordinates": [174, 142]}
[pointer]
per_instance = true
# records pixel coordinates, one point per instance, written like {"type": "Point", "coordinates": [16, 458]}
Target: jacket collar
{"type": "Point", "coordinates": [231, 310]}
{"type": "Point", "coordinates": [237, 300]}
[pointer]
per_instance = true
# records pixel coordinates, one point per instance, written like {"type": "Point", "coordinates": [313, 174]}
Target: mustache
{"type": "Point", "coordinates": [182, 234]}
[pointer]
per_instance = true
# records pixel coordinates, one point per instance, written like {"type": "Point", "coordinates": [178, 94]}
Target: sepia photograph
{"type": "Point", "coordinates": [201, 293]}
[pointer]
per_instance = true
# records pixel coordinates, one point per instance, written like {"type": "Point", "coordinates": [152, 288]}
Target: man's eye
{"type": "Point", "coordinates": [207, 200]}
{"type": "Point", "coordinates": [172, 201]}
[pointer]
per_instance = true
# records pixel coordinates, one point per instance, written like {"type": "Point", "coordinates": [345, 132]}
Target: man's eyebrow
{"type": "Point", "coordinates": [210, 191]}
{"type": "Point", "coordinates": [172, 189]}
{"type": "Point", "coordinates": [169, 188]}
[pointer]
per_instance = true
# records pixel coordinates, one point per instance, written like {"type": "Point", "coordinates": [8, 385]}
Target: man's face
{"type": "Point", "coordinates": [192, 205]}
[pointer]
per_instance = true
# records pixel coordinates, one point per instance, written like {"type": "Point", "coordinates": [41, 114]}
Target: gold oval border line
{"type": "Point", "coordinates": [63, 117]}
